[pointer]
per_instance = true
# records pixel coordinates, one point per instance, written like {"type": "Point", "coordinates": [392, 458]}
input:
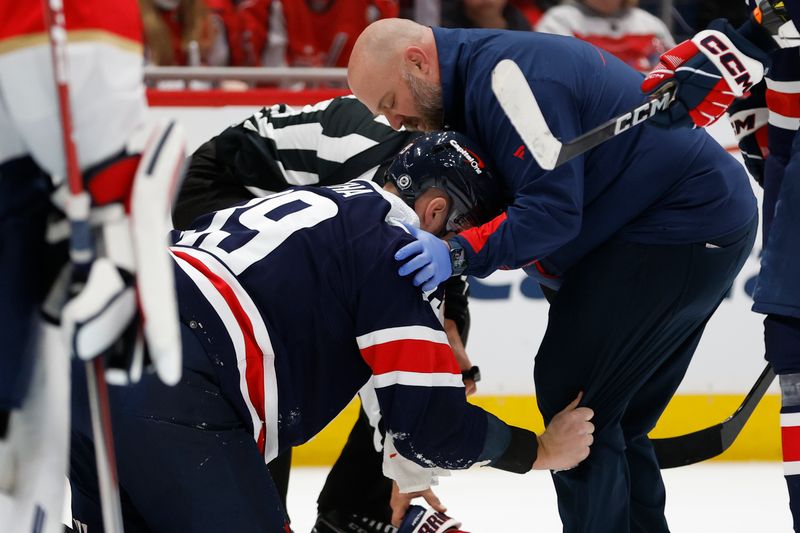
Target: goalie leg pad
{"type": "Point", "coordinates": [151, 203]}
{"type": "Point", "coordinates": [33, 456]}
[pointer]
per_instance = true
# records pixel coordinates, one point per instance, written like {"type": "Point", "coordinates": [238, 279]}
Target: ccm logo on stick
{"type": "Point", "coordinates": [715, 46]}
{"type": "Point", "coordinates": [642, 113]}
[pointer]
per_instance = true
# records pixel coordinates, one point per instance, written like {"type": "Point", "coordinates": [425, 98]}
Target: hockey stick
{"type": "Point", "coordinates": [516, 98]}
{"type": "Point", "coordinates": [81, 255]}
{"type": "Point", "coordinates": [712, 441]}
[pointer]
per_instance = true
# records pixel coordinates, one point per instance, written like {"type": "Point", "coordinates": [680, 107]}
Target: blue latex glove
{"type": "Point", "coordinates": [429, 259]}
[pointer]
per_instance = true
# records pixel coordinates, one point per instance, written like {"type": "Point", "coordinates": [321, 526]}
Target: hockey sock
{"type": "Point", "coordinates": [790, 440]}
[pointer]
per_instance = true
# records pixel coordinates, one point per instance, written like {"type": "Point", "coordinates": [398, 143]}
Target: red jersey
{"type": "Point", "coordinates": [318, 32]}
{"type": "Point", "coordinates": [23, 22]}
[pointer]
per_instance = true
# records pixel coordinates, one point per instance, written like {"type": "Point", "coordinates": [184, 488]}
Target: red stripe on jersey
{"type": "Point", "coordinates": [254, 358]}
{"type": "Point", "coordinates": [120, 17]}
{"type": "Point", "coordinates": [409, 355]}
{"type": "Point", "coordinates": [477, 237]}
{"type": "Point", "coordinates": [786, 104]}
{"type": "Point", "coordinates": [790, 439]}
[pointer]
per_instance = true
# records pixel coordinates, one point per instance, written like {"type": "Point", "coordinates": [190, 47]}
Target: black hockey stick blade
{"type": "Point", "coordinates": [660, 101]}
{"type": "Point", "coordinates": [712, 441]}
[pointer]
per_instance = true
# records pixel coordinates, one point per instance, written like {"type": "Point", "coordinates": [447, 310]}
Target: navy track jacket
{"type": "Point", "coordinates": [647, 185]}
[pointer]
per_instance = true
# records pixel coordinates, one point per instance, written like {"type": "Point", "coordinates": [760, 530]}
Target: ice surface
{"type": "Point", "coordinates": [709, 497]}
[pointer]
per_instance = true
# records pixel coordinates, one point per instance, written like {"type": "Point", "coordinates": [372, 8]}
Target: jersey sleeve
{"type": "Point", "coordinates": [416, 376]}
{"type": "Point", "coordinates": [547, 206]}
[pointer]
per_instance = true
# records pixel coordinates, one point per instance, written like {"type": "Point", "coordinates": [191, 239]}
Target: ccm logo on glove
{"type": "Point", "coordinates": [720, 50]}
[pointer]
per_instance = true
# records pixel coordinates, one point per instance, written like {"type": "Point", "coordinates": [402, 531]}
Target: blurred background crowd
{"type": "Point", "coordinates": [321, 33]}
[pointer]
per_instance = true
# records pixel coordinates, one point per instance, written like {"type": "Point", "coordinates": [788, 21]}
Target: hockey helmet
{"type": "Point", "coordinates": [453, 163]}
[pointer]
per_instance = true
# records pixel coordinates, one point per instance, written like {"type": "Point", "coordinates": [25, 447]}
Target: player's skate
{"type": "Point", "coordinates": [33, 454]}
{"type": "Point", "coordinates": [337, 522]}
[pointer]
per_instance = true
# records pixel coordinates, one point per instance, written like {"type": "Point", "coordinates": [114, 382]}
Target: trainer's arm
{"type": "Point", "coordinates": [547, 207]}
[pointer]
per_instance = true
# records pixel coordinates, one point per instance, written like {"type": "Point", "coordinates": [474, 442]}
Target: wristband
{"type": "Point", "coordinates": [473, 373]}
{"type": "Point", "coordinates": [458, 257]}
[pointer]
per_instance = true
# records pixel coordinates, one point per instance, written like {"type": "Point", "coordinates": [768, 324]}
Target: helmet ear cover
{"type": "Point", "coordinates": [451, 162]}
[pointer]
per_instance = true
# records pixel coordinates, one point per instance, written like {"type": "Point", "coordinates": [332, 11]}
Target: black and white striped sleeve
{"type": "Point", "coordinates": [331, 142]}
{"type": "Point", "coordinates": [281, 146]}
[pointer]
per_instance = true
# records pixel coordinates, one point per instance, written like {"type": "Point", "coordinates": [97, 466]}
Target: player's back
{"type": "Point", "coordinates": [281, 282]}
{"type": "Point", "coordinates": [648, 185]}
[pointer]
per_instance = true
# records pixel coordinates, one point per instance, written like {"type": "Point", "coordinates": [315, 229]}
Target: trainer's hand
{"type": "Point", "coordinates": [400, 502]}
{"type": "Point", "coordinates": [566, 441]}
{"type": "Point", "coordinates": [711, 69]}
{"type": "Point", "coordinates": [428, 258]}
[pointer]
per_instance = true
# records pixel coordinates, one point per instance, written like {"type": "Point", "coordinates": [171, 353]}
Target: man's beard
{"type": "Point", "coordinates": [428, 97]}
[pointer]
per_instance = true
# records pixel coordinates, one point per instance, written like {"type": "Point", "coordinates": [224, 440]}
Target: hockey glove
{"type": "Point", "coordinates": [421, 520]}
{"type": "Point", "coordinates": [711, 69]}
{"type": "Point", "coordinates": [126, 307]}
{"type": "Point", "coordinates": [428, 259]}
{"type": "Point", "coordinates": [749, 118]}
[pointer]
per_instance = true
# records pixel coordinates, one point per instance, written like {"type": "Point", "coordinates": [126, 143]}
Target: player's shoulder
{"type": "Point", "coordinates": [360, 202]}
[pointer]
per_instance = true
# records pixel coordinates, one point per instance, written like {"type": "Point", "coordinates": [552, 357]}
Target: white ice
{"type": "Point", "coordinates": [709, 497]}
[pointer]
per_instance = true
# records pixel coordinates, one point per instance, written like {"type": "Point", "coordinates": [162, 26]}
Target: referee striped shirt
{"type": "Point", "coordinates": [330, 142]}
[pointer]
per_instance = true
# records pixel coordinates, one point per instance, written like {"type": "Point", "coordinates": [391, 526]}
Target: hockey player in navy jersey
{"type": "Point", "coordinates": [289, 304]}
{"type": "Point", "coordinates": [641, 237]}
{"type": "Point", "coordinates": [265, 153]}
{"type": "Point", "coordinates": [766, 120]}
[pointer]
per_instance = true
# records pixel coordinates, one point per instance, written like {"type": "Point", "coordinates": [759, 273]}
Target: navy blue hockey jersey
{"type": "Point", "coordinates": [647, 185]}
{"type": "Point", "coordinates": [298, 302]}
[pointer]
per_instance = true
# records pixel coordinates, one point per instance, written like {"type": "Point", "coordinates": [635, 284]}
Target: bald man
{"type": "Point", "coordinates": [638, 239]}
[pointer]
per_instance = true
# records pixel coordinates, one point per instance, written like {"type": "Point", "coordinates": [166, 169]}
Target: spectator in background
{"type": "Point", "coordinates": [313, 32]}
{"type": "Point", "coordinates": [187, 32]}
{"type": "Point", "coordinates": [425, 12]}
{"type": "Point", "coordinates": [533, 9]}
{"type": "Point", "coordinates": [492, 14]}
{"type": "Point", "coordinates": [617, 26]}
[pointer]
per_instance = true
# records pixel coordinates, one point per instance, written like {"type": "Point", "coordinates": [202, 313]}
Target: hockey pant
{"type": "Point", "coordinates": [623, 328]}
{"type": "Point", "coordinates": [24, 205]}
{"type": "Point", "coordinates": [186, 460]}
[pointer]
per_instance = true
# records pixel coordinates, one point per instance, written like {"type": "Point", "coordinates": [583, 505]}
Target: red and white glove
{"type": "Point", "coordinates": [711, 69]}
{"type": "Point", "coordinates": [125, 309]}
{"type": "Point", "coordinates": [421, 520]}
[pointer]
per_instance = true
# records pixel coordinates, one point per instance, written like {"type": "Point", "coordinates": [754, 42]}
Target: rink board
{"type": "Point", "coordinates": [509, 316]}
{"type": "Point", "coordinates": [759, 440]}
